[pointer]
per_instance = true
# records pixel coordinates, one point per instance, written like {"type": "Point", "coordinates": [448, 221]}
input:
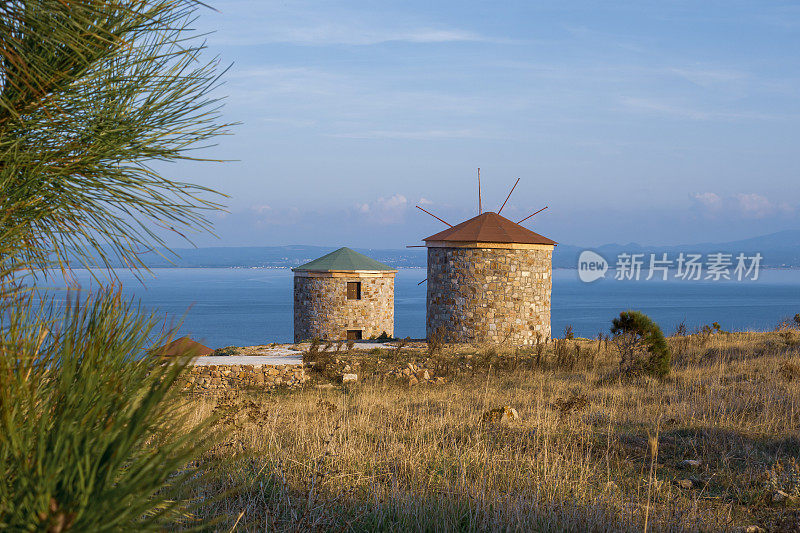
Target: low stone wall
{"type": "Point", "coordinates": [231, 377]}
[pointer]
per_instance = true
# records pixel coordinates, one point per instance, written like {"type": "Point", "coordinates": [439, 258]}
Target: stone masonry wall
{"type": "Point", "coordinates": [494, 296]}
{"type": "Point", "coordinates": [321, 307]}
{"type": "Point", "coordinates": [231, 377]}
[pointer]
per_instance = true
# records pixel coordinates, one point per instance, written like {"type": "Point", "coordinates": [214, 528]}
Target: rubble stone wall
{"type": "Point", "coordinates": [232, 377]}
{"type": "Point", "coordinates": [322, 310]}
{"type": "Point", "coordinates": [490, 295]}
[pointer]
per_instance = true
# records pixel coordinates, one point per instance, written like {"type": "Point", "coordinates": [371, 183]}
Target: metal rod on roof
{"type": "Point", "coordinates": [415, 246]}
{"type": "Point", "coordinates": [480, 207]}
{"type": "Point", "coordinates": [434, 216]}
{"type": "Point", "coordinates": [507, 197]}
{"type": "Point", "coordinates": [529, 216]}
{"type": "Point", "coordinates": [421, 282]}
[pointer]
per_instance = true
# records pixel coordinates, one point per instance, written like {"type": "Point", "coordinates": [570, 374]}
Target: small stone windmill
{"type": "Point", "coordinates": [489, 280]}
{"type": "Point", "coordinates": [343, 295]}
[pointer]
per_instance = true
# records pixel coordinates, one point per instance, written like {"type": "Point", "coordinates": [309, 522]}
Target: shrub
{"type": "Point", "coordinates": [681, 330]}
{"type": "Point", "coordinates": [321, 359]}
{"type": "Point", "coordinates": [641, 343]}
{"type": "Point", "coordinates": [400, 345]}
{"type": "Point", "coordinates": [92, 435]}
{"type": "Point", "coordinates": [562, 355]}
{"type": "Point", "coordinates": [226, 351]}
{"type": "Point", "coordinates": [575, 402]}
{"type": "Point", "coordinates": [789, 371]}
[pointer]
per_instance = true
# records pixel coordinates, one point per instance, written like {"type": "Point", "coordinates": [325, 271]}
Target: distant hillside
{"type": "Point", "coordinates": [272, 256]}
{"type": "Point", "coordinates": [780, 249]}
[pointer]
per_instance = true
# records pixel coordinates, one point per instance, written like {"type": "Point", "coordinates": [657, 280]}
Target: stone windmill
{"type": "Point", "coordinates": [343, 295]}
{"type": "Point", "coordinates": [489, 280]}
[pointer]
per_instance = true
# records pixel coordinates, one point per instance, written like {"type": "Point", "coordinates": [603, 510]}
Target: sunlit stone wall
{"type": "Point", "coordinates": [490, 295]}
{"type": "Point", "coordinates": [322, 310]}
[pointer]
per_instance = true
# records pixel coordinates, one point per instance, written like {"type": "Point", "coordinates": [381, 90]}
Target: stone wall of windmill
{"type": "Point", "coordinates": [325, 310]}
{"type": "Point", "coordinates": [489, 282]}
{"type": "Point", "coordinates": [490, 295]}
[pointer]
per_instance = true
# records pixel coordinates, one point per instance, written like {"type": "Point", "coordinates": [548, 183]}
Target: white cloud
{"type": "Point", "coordinates": [357, 105]}
{"type": "Point", "coordinates": [747, 205]}
{"type": "Point", "coordinates": [707, 77]}
{"type": "Point", "coordinates": [754, 205]}
{"type": "Point", "coordinates": [263, 208]}
{"type": "Point", "coordinates": [297, 23]}
{"type": "Point", "coordinates": [710, 200]}
{"type": "Point", "coordinates": [351, 35]}
{"type": "Point", "coordinates": [421, 135]}
{"type": "Point", "coordinates": [385, 211]}
{"type": "Point", "coordinates": [663, 107]}
{"type": "Point", "coordinates": [363, 35]}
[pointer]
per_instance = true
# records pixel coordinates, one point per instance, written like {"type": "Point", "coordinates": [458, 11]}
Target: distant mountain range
{"type": "Point", "coordinates": [779, 250]}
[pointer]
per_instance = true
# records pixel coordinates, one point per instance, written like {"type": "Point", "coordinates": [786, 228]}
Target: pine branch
{"type": "Point", "coordinates": [92, 94]}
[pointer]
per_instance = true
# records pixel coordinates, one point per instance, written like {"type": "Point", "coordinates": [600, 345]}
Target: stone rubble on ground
{"type": "Point", "coordinates": [415, 374]}
{"type": "Point", "coordinates": [500, 414]}
{"type": "Point", "coordinates": [779, 497]}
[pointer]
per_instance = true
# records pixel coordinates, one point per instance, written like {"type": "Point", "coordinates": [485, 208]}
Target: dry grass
{"type": "Point", "coordinates": [589, 452]}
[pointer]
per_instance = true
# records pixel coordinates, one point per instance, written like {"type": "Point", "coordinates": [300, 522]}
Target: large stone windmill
{"type": "Point", "coordinates": [489, 281]}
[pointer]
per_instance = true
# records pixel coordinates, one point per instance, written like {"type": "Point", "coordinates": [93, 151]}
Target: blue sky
{"type": "Point", "coordinates": [656, 122]}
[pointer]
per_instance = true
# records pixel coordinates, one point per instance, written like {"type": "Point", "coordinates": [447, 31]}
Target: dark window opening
{"type": "Point", "coordinates": [354, 334]}
{"type": "Point", "coordinates": [353, 290]}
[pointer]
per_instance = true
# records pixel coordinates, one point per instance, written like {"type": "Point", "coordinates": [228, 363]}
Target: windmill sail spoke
{"type": "Point", "coordinates": [507, 197]}
{"type": "Point", "coordinates": [529, 216]}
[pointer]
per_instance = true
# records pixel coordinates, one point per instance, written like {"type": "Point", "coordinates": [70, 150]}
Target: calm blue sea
{"type": "Point", "coordinates": [222, 307]}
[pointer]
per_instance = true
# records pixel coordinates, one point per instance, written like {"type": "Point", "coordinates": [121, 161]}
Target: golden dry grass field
{"type": "Point", "coordinates": [589, 451]}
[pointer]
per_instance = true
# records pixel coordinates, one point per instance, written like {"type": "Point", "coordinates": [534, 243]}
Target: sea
{"type": "Point", "coordinates": [250, 306]}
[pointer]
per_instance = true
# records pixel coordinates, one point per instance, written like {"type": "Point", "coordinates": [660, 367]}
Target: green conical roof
{"type": "Point", "coordinates": [343, 259]}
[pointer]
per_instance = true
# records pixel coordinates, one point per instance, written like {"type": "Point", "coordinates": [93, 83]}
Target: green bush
{"type": "Point", "coordinates": [92, 433]}
{"type": "Point", "coordinates": [641, 343]}
{"type": "Point", "coordinates": [226, 351]}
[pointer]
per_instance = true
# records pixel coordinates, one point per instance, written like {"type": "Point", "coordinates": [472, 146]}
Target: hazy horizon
{"type": "Point", "coordinates": [337, 244]}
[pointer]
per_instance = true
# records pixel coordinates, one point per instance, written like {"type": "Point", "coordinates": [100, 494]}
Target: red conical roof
{"type": "Point", "coordinates": [490, 227]}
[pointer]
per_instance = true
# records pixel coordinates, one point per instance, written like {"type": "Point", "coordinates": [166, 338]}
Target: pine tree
{"type": "Point", "coordinates": [94, 96]}
{"type": "Point", "coordinates": [642, 345]}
